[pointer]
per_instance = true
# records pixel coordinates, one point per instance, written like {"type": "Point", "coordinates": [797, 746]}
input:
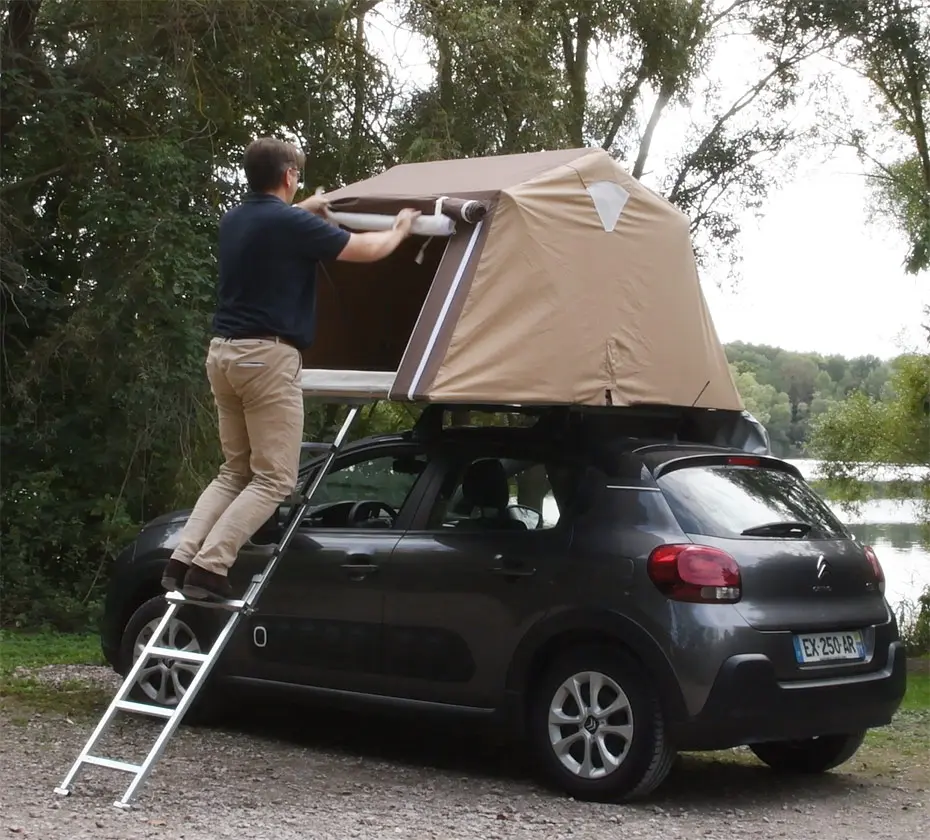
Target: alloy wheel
{"type": "Point", "coordinates": [164, 680]}
{"type": "Point", "coordinates": [590, 725]}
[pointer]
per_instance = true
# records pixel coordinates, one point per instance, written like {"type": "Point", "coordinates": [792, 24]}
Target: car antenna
{"type": "Point", "coordinates": [706, 384]}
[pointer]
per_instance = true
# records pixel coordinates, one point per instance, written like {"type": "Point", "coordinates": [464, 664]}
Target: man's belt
{"type": "Point", "coordinates": [275, 338]}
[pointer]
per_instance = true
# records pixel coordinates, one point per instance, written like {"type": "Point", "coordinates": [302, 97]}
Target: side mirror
{"type": "Point", "coordinates": [529, 517]}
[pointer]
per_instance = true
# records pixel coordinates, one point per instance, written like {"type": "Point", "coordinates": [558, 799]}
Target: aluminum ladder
{"type": "Point", "coordinates": [237, 609]}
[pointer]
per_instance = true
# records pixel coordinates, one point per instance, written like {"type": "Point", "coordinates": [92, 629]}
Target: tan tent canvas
{"type": "Point", "coordinates": [550, 278]}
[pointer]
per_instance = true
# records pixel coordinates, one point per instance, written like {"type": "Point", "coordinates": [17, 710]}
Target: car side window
{"type": "Point", "coordinates": [387, 479]}
{"type": "Point", "coordinates": [498, 494]}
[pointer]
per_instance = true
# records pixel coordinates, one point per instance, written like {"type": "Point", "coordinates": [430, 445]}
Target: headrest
{"type": "Point", "coordinates": [485, 484]}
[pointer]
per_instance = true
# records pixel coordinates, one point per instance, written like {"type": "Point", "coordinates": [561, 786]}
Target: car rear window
{"type": "Point", "coordinates": [724, 501]}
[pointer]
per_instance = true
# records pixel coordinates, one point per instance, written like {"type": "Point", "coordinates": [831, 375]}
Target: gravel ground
{"type": "Point", "coordinates": [314, 774]}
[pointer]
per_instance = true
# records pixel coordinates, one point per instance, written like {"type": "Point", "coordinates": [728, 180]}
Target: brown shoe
{"type": "Point", "coordinates": [173, 577]}
{"type": "Point", "coordinates": [201, 585]}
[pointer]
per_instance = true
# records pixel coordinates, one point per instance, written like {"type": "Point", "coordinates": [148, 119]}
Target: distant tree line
{"type": "Point", "coordinates": [786, 390]}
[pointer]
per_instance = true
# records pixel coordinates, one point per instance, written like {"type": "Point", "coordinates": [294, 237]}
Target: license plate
{"type": "Point", "coordinates": [829, 647]}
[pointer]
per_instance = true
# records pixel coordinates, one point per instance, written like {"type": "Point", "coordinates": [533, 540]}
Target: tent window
{"type": "Point", "coordinates": [609, 200]}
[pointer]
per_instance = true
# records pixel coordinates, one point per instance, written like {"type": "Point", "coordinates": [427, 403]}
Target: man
{"type": "Point", "coordinates": [265, 316]}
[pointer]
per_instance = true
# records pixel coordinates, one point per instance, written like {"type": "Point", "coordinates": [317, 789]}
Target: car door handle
{"type": "Point", "coordinates": [511, 569]}
{"type": "Point", "coordinates": [359, 571]}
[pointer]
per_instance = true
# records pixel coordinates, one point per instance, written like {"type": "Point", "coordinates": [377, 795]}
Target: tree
{"type": "Point", "coordinates": [122, 129]}
{"type": "Point", "coordinates": [888, 44]}
{"type": "Point", "coordinates": [514, 76]}
{"type": "Point", "coordinates": [862, 434]}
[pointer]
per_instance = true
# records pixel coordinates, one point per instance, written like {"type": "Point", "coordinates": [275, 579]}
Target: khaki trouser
{"type": "Point", "coordinates": [260, 408]}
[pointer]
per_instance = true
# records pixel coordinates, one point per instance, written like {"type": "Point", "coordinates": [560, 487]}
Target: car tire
{"type": "Point", "coordinates": [162, 682]}
{"type": "Point", "coordinates": [812, 755]}
{"type": "Point", "coordinates": [632, 756]}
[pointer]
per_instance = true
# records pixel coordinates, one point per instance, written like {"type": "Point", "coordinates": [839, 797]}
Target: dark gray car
{"type": "Point", "coordinates": [617, 596]}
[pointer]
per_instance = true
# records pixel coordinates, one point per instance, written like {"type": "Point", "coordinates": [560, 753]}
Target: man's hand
{"type": "Point", "coordinates": [317, 204]}
{"type": "Point", "coordinates": [404, 221]}
{"type": "Point", "coordinates": [376, 245]}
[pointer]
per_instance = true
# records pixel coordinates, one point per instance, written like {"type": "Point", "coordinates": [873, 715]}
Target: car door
{"type": "Point", "coordinates": [319, 621]}
{"type": "Point", "coordinates": [457, 600]}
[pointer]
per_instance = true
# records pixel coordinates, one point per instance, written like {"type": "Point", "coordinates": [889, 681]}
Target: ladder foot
{"type": "Point", "coordinates": [123, 806]}
{"type": "Point", "coordinates": [63, 791]}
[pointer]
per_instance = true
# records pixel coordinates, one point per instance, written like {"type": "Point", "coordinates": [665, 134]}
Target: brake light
{"type": "Point", "coordinates": [741, 461]}
{"type": "Point", "coordinates": [876, 568]}
{"type": "Point", "coordinates": [695, 573]}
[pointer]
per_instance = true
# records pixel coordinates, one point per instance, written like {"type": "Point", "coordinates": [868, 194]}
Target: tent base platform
{"type": "Point", "coordinates": [347, 386]}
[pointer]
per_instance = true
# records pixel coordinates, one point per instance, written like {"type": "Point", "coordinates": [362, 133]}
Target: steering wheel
{"type": "Point", "coordinates": [362, 511]}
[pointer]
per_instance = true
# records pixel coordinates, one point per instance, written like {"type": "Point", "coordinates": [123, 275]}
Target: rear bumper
{"type": "Point", "coordinates": [747, 704]}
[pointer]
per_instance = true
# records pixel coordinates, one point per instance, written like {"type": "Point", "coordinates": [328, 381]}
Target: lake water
{"type": "Point", "coordinates": [891, 528]}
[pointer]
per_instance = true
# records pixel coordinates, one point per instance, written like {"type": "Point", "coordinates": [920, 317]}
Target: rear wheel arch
{"type": "Point", "coordinates": [552, 638]}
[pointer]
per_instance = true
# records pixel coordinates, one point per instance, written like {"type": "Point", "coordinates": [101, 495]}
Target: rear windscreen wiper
{"type": "Point", "coordinates": [779, 529]}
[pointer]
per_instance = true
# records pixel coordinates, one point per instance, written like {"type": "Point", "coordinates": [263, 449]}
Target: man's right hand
{"type": "Point", "coordinates": [376, 245]}
{"type": "Point", "coordinates": [404, 220]}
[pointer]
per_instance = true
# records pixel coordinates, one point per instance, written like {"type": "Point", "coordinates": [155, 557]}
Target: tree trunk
{"type": "Point", "coordinates": [358, 84]}
{"type": "Point", "coordinates": [646, 142]}
{"type": "Point", "coordinates": [626, 105]}
{"type": "Point", "coordinates": [575, 52]}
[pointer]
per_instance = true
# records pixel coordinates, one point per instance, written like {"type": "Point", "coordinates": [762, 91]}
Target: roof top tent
{"type": "Point", "coordinates": [544, 279]}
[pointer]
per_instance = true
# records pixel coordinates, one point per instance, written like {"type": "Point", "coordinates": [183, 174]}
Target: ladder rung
{"type": "Point", "coordinates": [113, 765]}
{"type": "Point", "coordinates": [144, 709]}
{"type": "Point", "coordinates": [183, 655]}
{"type": "Point", "coordinates": [231, 606]}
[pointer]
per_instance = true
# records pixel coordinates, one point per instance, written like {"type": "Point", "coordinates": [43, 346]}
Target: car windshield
{"type": "Point", "coordinates": [728, 501]}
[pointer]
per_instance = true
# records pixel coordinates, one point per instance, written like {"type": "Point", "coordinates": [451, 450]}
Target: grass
{"type": "Point", "coordinates": [23, 695]}
{"type": "Point", "coordinates": [36, 649]}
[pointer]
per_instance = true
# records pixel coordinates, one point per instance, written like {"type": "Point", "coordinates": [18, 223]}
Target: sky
{"type": "Point", "coordinates": [816, 274]}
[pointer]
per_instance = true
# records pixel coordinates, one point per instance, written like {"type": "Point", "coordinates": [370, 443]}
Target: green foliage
{"type": "Point", "coordinates": [121, 130]}
{"type": "Point", "coordinates": [856, 436]}
{"type": "Point", "coordinates": [123, 126]}
{"type": "Point", "coordinates": [862, 434]}
{"type": "Point", "coordinates": [786, 391]}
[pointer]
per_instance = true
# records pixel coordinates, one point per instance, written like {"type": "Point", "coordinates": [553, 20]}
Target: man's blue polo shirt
{"type": "Point", "coordinates": [268, 254]}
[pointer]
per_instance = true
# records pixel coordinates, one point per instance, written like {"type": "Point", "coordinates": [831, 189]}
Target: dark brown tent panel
{"type": "Point", "coordinates": [550, 278]}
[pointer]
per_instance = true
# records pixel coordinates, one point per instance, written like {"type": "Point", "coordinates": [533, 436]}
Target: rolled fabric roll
{"type": "Point", "coordinates": [440, 225]}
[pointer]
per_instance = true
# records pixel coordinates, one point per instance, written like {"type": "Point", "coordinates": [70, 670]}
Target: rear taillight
{"type": "Point", "coordinates": [742, 461]}
{"type": "Point", "coordinates": [876, 568]}
{"type": "Point", "coordinates": [696, 573]}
